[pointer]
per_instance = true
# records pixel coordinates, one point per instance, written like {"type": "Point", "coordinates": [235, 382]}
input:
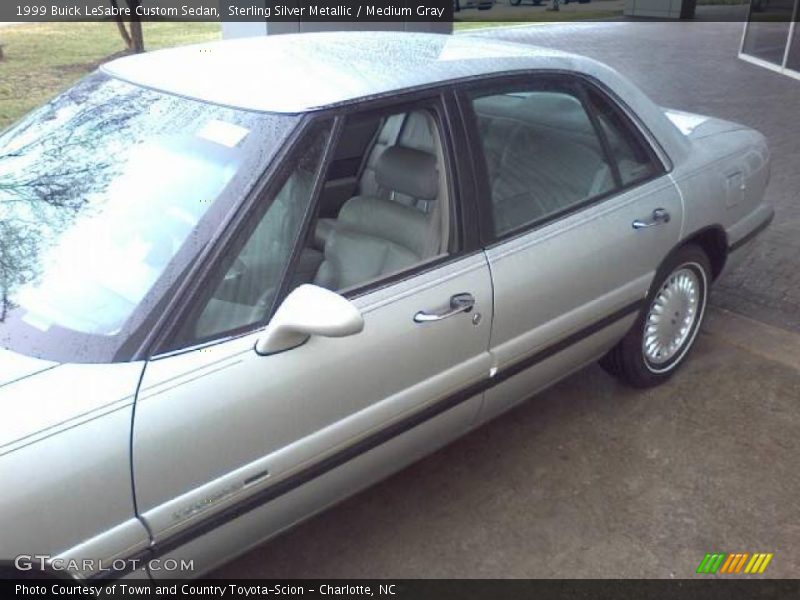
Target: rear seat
{"type": "Point", "coordinates": [537, 168]}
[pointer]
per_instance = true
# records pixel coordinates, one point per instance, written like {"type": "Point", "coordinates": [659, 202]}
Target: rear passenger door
{"type": "Point", "coordinates": [564, 173]}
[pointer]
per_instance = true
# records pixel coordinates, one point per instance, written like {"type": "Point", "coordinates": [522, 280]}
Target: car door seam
{"type": "Point", "coordinates": [398, 427]}
{"type": "Point", "coordinates": [683, 205]}
{"type": "Point", "coordinates": [131, 461]}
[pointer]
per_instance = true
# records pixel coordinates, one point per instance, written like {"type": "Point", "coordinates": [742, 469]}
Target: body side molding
{"type": "Point", "coordinates": [376, 439]}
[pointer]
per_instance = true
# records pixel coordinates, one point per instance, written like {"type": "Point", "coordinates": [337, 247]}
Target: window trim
{"type": "Point", "coordinates": [611, 161]}
{"type": "Point", "coordinates": [659, 167]}
{"type": "Point", "coordinates": [463, 237]}
{"type": "Point", "coordinates": [461, 196]}
{"type": "Point", "coordinates": [645, 136]}
{"type": "Point", "coordinates": [463, 192]}
{"type": "Point", "coordinates": [579, 84]}
{"type": "Point", "coordinates": [197, 278]}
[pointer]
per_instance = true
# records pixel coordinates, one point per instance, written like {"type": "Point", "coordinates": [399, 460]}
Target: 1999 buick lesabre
{"type": "Point", "coordinates": [243, 281]}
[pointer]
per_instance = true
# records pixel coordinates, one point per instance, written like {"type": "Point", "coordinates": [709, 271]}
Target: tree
{"type": "Point", "coordinates": [50, 170]}
{"type": "Point", "coordinates": [133, 38]}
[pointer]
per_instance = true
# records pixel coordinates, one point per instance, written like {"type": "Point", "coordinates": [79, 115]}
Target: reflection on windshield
{"type": "Point", "coordinates": [98, 191]}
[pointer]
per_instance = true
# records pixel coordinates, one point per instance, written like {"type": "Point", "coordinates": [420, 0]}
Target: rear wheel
{"type": "Point", "coordinates": [665, 332]}
{"type": "Point", "coordinates": [514, 2]}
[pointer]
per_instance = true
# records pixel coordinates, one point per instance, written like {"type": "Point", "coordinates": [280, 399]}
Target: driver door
{"type": "Point", "coordinates": [230, 447]}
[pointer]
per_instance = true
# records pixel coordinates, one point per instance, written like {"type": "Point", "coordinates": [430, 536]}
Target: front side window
{"type": "Point", "coordinates": [247, 280]}
{"type": "Point", "coordinates": [99, 191]}
{"type": "Point", "coordinates": [382, 207]}
{"type": "Point", "coordinates": [543, 154]}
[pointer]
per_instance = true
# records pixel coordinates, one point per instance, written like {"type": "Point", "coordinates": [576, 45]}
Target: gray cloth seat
{"type": "Point", "coordinates": [528, 185]}
{"type": "Point", "coordinates": [411, 131]}
{"type": "Point", "coordinates": [535, 170]}
{"type": "Point", "coordinates": [376, 236]}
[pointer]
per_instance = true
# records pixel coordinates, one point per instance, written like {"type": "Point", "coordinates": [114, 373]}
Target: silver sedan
{"type": "Point", "coordinates": [242, 281]}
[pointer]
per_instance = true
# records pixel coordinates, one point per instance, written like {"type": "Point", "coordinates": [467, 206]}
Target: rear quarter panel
{"type": "Point", "coordinates": [722, 181]}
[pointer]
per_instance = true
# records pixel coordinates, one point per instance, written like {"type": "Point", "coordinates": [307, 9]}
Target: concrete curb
{"type": "Point", "coordinates": [772, 343]}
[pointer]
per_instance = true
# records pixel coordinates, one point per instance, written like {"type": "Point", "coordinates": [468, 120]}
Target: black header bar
{"type": "Point", "coordinates": [227, 10]}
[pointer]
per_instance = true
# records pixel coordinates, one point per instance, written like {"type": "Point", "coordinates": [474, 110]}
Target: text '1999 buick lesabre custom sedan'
{"type": "Point", "coordinates": [243, 281]}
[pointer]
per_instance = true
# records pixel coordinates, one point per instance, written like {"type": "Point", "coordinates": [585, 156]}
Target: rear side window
{"type": "Point", "coordinates": [631, 154]}
{"type": "Point", "coordinates": [543, 155]}
{"type": "Point", "coordinates": [551, 148]}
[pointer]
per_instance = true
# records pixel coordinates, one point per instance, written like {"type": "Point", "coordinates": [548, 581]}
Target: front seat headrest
{"type": "Point", "coordinates": [408, 171]}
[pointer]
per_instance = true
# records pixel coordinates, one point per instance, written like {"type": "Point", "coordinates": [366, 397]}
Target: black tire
{"type": "Point", "coordinates": [514, 2]}
{"type": "Point", "coordinates": [628, 361]}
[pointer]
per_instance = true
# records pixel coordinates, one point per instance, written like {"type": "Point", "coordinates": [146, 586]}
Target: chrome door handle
{"type": "Point", "coordinates": [460, 303]}
{"type": "Point", "coordinates": [660, 216]}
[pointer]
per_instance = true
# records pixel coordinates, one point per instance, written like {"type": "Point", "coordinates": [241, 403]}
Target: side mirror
{"type": "Point", "coordinates": [309, 310]}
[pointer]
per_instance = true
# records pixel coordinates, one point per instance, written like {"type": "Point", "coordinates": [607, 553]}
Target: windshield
{"type": "Point", "coordinates": [99, 192]}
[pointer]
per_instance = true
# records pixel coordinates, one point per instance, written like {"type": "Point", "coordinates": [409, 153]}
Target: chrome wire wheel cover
{"type": "Point", "coordinates": [673, 315]}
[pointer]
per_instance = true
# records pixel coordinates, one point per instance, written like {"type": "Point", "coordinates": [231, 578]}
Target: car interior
{"type": "Point", "coordinates": [384, 205]}
{"type": "Point", "coordinates": [383, 208]}
{"type": "Point", "coordinates": [543, 155]}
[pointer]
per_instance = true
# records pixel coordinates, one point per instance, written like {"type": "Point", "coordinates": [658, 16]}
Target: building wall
{"type": "Point", "coordinates": [772, 36]}
{"type": "Point", "coordinates": [659, 9]}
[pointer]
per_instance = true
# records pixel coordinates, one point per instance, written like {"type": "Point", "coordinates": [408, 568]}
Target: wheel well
{"type": "Point", "coordinates": [714, 242]}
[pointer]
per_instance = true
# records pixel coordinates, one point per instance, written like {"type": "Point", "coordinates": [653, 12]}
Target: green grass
{"type": "Point", "coordinates": [43, 59]}
{"type": "Point", "coordinates": [465, 24]}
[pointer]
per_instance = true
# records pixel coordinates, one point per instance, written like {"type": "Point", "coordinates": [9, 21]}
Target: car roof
{"type": "Point", "coordinates": [298, 73]}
